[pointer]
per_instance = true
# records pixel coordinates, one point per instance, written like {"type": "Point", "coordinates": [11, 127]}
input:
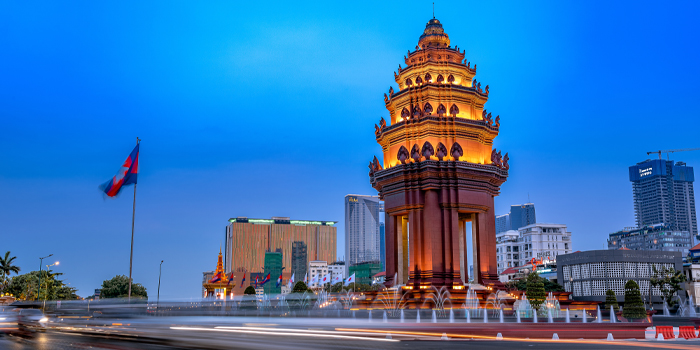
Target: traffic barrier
{"type": "Point", "coordinates": [687, 332]}
{"type": "Point", "coordinates": [665, 331]}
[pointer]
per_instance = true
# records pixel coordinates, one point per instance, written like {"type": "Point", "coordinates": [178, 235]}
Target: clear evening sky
{"type": "Point", "coordinates": [268, 109]}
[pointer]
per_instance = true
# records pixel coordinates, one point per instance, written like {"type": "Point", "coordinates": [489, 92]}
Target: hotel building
{"type": "Point", "coordinates": [247, 240]}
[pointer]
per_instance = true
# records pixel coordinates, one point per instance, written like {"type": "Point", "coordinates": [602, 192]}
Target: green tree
{"type": "Point", "coordinates": [634, 306]}
{"type": "Point", "coordinates": [6, 268]}
{"type": "Point", "coordinates": [610, 299]}
{"type": "Point", "coordinates": [535, 290]}
{"type": "Point", "coordinates": [668, 280]}
{"type": "Point", "coordinates": [26, 287]}
{"type": "Point", "coordinates": [251, 291]}
{"type": "Point", "coordinates": [118, 287]}
{"type": "Point", "coordinates": [300, 287]}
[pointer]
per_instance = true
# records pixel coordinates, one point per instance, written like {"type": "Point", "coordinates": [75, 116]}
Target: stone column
{"type": "Point", "coordinates": [486, 245]}
{"type": "Point", "coordinates": [390, 246]}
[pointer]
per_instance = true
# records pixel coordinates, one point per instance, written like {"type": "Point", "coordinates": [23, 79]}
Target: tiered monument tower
{"type": "Point", "coordinates": [440, 172]}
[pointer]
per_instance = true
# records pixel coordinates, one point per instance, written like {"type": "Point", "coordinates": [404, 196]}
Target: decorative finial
{"type": "Point", "coordinates": [433, 10]}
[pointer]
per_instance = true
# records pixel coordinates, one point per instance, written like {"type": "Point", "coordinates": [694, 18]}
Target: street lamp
{"type": "Point", "coordinates": [41, 263]}
{"type": "Point", "coordinates": [160, 269]}
{"type": "Point", "coordinates": [47, 282]}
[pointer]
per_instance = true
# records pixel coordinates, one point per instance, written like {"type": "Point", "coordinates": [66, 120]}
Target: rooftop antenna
{"type": "Point", "coordinates": [528, 197]}
{"type": "Point", "coordinates": [433, 10]}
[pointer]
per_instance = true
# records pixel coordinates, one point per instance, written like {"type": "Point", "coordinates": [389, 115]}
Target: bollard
{"type": "Point", "coordinates": [555, 336]}
{"type": "Point", "coordinates": [388, 336]}
{"type": "Point", "coordinates": [499, 336]}
{"type": "Point", "coordinates": [610, 337]}
{"type": "Point", "coordinates": [444, 336]}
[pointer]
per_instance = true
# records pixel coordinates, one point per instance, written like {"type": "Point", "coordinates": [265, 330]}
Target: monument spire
{"type": "Point", "coordinates": [440, 172]}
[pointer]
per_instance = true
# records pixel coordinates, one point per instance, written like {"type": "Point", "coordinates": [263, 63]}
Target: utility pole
{"type": "Point", "coordinates": [160, 269]}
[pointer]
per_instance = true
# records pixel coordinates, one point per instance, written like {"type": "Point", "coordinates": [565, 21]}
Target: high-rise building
{"type": "Point", "coordinates": [247, 240]}
{"type": "Point", "coordinates": [653, 237]}
{"type": "Point", "coordinates": [361, 229]}
{"type": "Point", "coordinates": [273, 268]}
{"type": "Point", "coordinates": [519, 216]}
{"type": "Point", "coordinates": [663, 193]}
{"type": "Point", "coordinates": [502, 223]}
{"type": "Point", "coordinates": [300, 260]}
{"type": "Point", "coordinates": [382, 247]}
{"type": "Point", "coordinates": [538, 241]}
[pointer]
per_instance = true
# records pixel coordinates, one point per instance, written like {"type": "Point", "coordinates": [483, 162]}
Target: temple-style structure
{"type": "Point", "coordinates": [440, 172]}
{"type": "Point", "coordinates": [216, 284]}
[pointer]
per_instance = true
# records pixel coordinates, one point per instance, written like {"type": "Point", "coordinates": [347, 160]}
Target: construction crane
{"type": "Point", "coordinates": [672, 151]}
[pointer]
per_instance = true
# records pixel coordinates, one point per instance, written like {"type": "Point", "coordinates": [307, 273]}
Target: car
{"type": "Point", "coordinates": [31, 319]}
{"type": "Point", "coordinates": [8, 320]}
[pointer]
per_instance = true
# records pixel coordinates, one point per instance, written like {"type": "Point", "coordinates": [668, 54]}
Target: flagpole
{"type": "Point", "coordinates": [133, 216]}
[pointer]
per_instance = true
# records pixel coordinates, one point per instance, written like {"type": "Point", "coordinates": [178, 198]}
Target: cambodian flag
{"type": "Point", "coordinates": [243, 280]}
{"type": "Point", "coordinates": [279, 281]}
{"type": "Point", "coordinates": [125, 176]}
{"type": "Point", "coordinates": [230, 279]}
{"type": "Point", "coordinates": [266, 279]}
{"type": "Point", "coordinates": [216, 278]}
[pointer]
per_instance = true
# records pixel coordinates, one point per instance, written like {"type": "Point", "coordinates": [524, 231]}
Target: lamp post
{"type": "Point", "coordinates": [41, 263]}
{"type": "Point", "coordinates": [160, 269]}
{"type": "Point", "coordinates": [47, 282]}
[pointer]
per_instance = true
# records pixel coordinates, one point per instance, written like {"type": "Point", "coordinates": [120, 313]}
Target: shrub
{"type": "Point", "coordinates": [610, 299]}
{"type": "Point", "coordinates": [634, 307]}
{"type": "Point", "coordinates": [535, 290]}
{"type": "Point", "coordinates": [249, 290]}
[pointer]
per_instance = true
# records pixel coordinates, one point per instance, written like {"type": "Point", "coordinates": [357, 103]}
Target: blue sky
{"type": "Point", "coordinates": [268, 109]}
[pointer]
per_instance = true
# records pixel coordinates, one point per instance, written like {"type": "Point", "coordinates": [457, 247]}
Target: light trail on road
{"type": "Point", "coordinates": [659, 345]}
{"type": "Point", "coordinates": [308, 334]}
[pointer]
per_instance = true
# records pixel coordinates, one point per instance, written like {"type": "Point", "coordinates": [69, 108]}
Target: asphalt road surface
{"type": "Point", "coordinates": [205, 339]}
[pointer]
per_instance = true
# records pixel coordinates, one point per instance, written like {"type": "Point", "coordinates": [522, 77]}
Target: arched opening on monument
{"type": "Point", "coordinates": [404, 258]}
{"type": "Point", "coordinates": [468, 229]}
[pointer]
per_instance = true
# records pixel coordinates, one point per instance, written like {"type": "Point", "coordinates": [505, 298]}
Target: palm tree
{"type": "Point", "coordinates": [6, 267]}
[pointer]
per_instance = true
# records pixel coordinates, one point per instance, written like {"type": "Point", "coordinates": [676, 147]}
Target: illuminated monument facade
{"type": "Point", "coordinates": [440, 173]}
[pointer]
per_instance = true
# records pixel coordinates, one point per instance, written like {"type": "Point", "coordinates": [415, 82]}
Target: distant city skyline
{"type": "Point", "coordinates": [299, 87]}
{"type": "Point", "coordinates": [520, 215]}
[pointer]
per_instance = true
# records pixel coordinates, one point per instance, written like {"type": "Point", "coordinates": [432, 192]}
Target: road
{"type": "Point", "coordinates": [202, 337]}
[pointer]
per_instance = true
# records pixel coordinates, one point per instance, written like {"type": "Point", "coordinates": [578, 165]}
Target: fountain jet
{"type": "Point", "coordinates": [612, 315]}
